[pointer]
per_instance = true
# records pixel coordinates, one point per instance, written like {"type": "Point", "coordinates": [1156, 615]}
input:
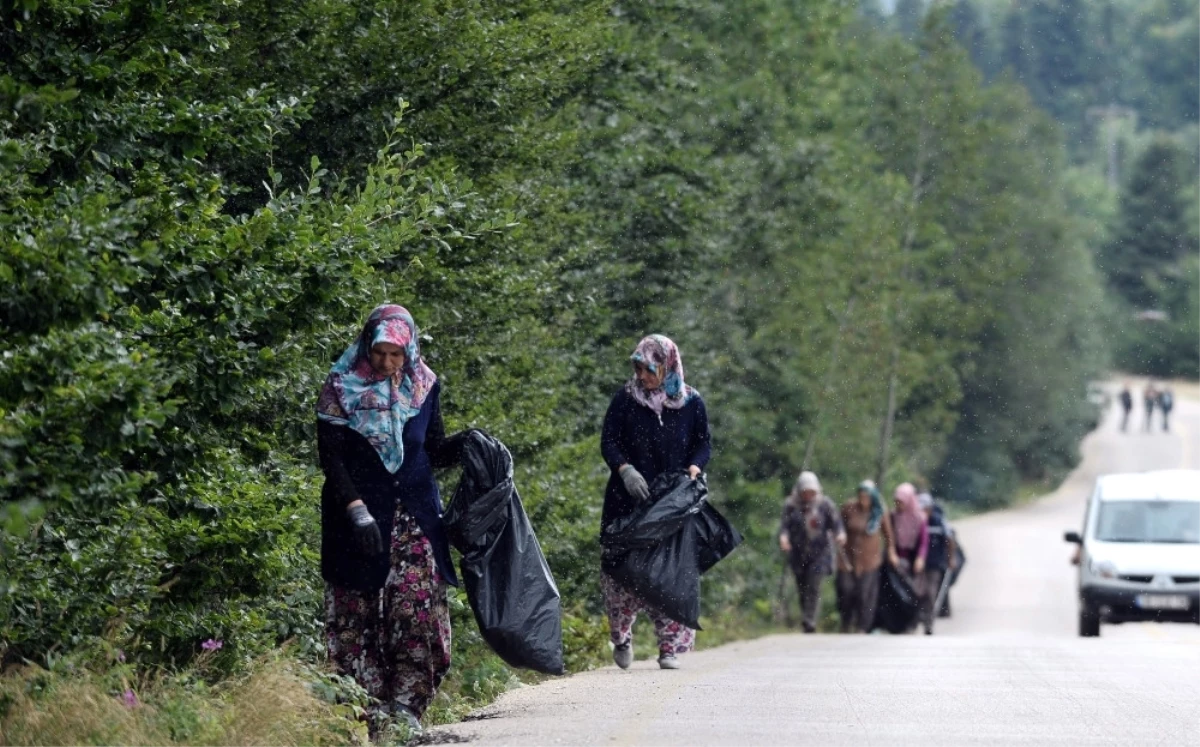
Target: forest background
{"type": "Point", "coordinates": [893, 243]}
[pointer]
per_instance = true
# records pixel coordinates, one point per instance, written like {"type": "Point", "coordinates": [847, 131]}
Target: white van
{"type": "Point", "coordinates": [1140, 550]}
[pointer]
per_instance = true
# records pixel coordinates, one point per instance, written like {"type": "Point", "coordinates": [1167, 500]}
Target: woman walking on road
{"type": "Point", "coordinates": [1166, 402]}
{"type": "Point", "coordinates": [939, 560]}
{"type": "Point", "coordinates": [384, 556]}
{"type": "Point", "coordinates": [655, 423]}
{"type": "Point", "coordinates": [806, 529]}
{"type": "Point", "coordinates": [867, 526]}
{"type": "Point", "coordinates": [911, 533]}
{"type": "Point", "coordinates": [1149, 399]}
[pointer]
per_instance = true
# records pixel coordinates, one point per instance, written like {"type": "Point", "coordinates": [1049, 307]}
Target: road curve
{"type": "Point", "coordinates": [1008, 669]}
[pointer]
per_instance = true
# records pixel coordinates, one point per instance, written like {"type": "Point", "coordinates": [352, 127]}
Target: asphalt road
{"type": "Point", "coordinates": [1008, 669]}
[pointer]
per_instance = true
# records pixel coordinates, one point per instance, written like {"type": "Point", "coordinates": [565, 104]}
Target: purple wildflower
{"type": "Point", "coordinates": [130, 699]}
{"type": "Point", "coordinates": [120, 656]}
{"type": "Point", "coordinates": [212, 645]}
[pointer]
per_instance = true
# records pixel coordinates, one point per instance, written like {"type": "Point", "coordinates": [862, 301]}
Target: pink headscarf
{"type": "Point", "coordinates": [909, 521]}
{"type": "Point", "coordinates": [659, 353]}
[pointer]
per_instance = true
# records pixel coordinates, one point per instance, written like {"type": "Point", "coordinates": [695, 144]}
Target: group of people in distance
{"type": "Point", "coordinates": [1152, 398]}
{"type": "Point", "coordinates": [856, 540]}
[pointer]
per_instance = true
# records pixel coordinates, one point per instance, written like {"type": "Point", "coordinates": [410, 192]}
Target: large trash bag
{"type": "Point", "coordinates": [943, 601]}
{"type": "Point", "coordinates": [896, 610]}
{"type": "Point", "coordinates": [659, 551]}
{"type": "Point", "coordinates": [961, 560]}
{"type": "Point", "coordinates": [508, 583]}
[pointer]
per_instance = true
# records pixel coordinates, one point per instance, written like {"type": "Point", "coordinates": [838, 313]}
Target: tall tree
{"type": "Point", "coordinates": [1061, 31]}
{"type": "Point", "coordinates": [907, 17]}
{"type": "Point", "coordinates": [970, 30]}
{"type": "Point", "coordinates": [1152, 231]}
{"type": "Point", "coordinates": [1016, 50]}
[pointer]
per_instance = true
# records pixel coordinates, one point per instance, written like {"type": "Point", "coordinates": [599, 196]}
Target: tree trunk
{"type": "Point", "coordinates": [910, 236]}
{"type": "Point", "coordinates": [885, 430]}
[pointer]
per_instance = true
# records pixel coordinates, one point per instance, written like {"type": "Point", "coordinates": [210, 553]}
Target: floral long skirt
{"type": "Point", "coordinates": [623, 608]}
{"type": "Point", "coordinates": [396, 641]}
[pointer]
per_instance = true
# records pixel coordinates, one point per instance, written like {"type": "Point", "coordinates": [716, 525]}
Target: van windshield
{"type": "Point", "coordinates": [1176, 522]}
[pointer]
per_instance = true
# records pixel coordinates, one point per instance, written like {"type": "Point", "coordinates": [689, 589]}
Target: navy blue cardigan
{"type": "Point", "coordinates": [632, 435]}
{"type": "Point", "coordinates": [353, 470]}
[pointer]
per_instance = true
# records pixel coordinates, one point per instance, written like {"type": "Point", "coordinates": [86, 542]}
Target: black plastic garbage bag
{"type": "Point", "coordinates": [508, 583]}
{"type": "Point", "coordinates": [660, 550]}
{"type": "Point", "coordinates": [896, 610]}
{"type": "Point", "coordinates": [942, 603]}
{"type": "Point", "coordinates": [961, 560]}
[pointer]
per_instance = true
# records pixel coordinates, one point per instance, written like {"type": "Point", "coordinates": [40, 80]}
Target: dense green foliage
{"type": "Point", "coordinates": [203, 200]}
{"type": "Point", "coordinates": [1122, 77]}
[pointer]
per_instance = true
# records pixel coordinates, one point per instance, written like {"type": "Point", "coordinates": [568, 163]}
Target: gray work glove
{"type": "Point", "coordinates": [635, 484]}
{"type": "Point", "coordinates": [366, 532]}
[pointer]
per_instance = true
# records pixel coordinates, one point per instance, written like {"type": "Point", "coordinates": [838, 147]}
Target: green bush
{"type": "Point", "coordinates": [201, 202]}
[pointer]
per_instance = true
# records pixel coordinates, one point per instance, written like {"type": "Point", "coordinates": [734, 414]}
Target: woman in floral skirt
{"type": "Point", "coordinates": [384, 556]}
{"type": "Point", "coordinates": [655, 423]}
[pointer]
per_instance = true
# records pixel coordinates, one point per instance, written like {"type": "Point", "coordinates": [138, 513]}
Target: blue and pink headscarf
{"type": "Point", "coordinates": [659, 353]}
{"type": "Point", "coordinates": [875, 517]}
{"type": "Point", "coordinates": [357, 396]}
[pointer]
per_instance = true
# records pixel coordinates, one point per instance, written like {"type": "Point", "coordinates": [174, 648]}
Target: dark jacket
{"type": "Point", "coordinates": [938, 557]}
{"type": "Point", "coordinates": [632, 435]}
{"type": "Point", "coordinates": [353, 470]}
{"type": "Point", "coordinates": [1126, 399]}
{"type": "Point", "coordinates": [810, 530]}
{"type": "Point", "coordinates": [1166, 401]}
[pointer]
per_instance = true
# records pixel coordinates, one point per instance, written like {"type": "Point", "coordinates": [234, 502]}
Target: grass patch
{"type": "Point", "coordinates": [277, 702]}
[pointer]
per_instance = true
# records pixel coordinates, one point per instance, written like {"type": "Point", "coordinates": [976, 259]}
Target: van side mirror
{"type": "Point", "coordinates": [1073, 538]}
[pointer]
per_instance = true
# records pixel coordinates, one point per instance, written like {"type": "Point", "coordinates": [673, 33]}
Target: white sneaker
{"type": "Point", "coordinates": [668, 661]}
{"type": "Point", "coordinates": [623, 655]}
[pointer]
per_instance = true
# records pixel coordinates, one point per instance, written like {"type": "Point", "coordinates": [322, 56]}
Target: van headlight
{"type": "Point", "coordinates": [1103, 568]}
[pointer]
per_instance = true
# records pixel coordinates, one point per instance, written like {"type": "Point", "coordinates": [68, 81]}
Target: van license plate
{"type": "Point", "coordinates": [1162, 601]}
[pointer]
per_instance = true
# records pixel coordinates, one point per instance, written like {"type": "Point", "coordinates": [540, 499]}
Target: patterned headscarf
{"type": "Point", "coordinates": [357, 396]}
{"type": "Point", "coordinates": [875, 518]}
{"type": "Point", "coordinates": [658, 353]}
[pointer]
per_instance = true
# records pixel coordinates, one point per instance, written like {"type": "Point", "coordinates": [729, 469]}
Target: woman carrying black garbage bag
{"type": "Point", "coordinates": [911, 533]}
{"type": "Point", "coordinates": [384, 555]}
{"type": "Point", "coordinates": [655, 423]}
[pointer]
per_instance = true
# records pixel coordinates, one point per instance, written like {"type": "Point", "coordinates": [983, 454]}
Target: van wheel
{"type": "Point", "coordinates": [1089, 623]}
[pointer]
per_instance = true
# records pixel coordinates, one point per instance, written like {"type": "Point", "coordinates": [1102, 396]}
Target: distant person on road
{"type": "Point", "coordinates": [807, 530]}
{"type": "Point", "coordinates": [1126, 398]}
{"type": "Point", "coordinates": [1150, 399]}
{"type": "Point", "coordinates": [655, 423]}
{"type": "Point", "coordinates": [865, 521]}
{"type": "Point", "coordinates": [385, 557]}
{"type": "Point", "coordinates": [911, 532]}
{"type": "Point", "coordinates": [1166, 402]}
{"type": "Point", "coordinates": [939, 560]}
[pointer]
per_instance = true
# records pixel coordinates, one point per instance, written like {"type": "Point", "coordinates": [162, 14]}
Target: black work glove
{"type": "Point", "coordinates": [635, 484]}
{"type": "Point", "coordinates": [366, 532]}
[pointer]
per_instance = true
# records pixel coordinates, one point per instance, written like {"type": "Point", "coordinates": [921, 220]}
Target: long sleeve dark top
{"type": "Point", "coordinates": [353, 470]}
{"type": "Point", "coordinates": [632, 435]}
{"type": "Point", "coordinates": [811, 530]}
{"type": "Point", "coordinates": [937, 557]}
